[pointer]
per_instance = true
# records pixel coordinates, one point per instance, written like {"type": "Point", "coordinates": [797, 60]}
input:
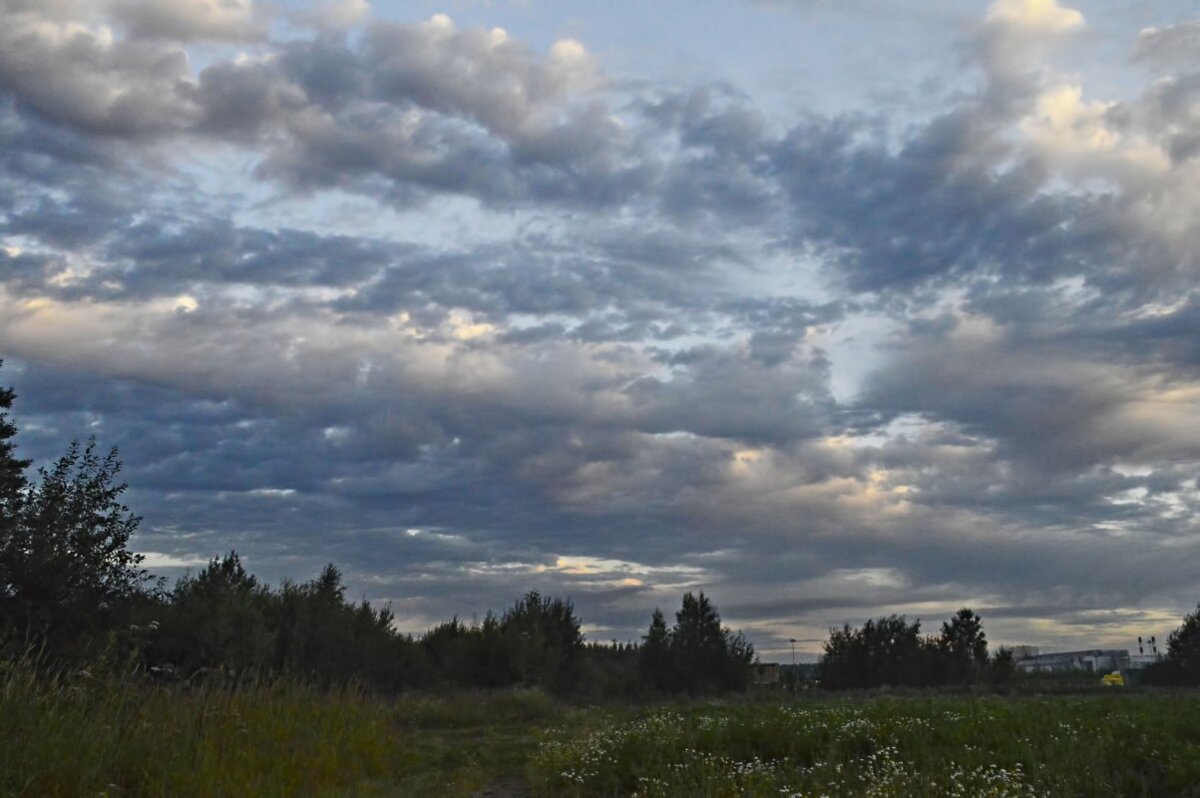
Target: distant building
{"type": "Point", "coordinates": [1092, 660]}
{"type": "Point", "coordinates": [765, 673]}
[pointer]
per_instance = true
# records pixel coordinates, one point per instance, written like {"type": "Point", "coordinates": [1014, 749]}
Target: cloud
{"type": "Point", "coordinates": [188, 20]}
{"type": "Point", "coordinates": [85, 78]}
{"type": "Point", "coordinates": [1172, 46]}
{"type": "Point", "coordinates": [453, 310]}
{"type": "Point", "coordinates": [335, 14]}
{"type": "Point", "coordinates": [1033, 17]}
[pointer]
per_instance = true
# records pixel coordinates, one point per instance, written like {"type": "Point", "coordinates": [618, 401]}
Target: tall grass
{"type": "Point", "coordinates": [74, 735]}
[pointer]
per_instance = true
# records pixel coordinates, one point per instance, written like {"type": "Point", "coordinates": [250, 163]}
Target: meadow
{"type": "Point", "coordinates": [81, 735]}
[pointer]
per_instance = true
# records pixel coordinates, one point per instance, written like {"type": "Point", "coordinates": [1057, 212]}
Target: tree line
{"type": "Point", "coordinates": [892, 652]}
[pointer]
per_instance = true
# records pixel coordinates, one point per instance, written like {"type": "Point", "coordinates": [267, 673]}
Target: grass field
{"type": "Point", "coordinates": [81, 736]}
{"type": "Point", "coordinates": [1114, 745]}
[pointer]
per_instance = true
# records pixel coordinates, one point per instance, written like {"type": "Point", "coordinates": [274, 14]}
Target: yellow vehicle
{"type": "Point", "coordinates": [1114, 679]}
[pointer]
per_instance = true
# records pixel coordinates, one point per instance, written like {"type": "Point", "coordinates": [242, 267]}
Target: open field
{"type": "Point", "coordinates": [1115, 745]}
{"type": "Point", "coordinates": [78, 736]}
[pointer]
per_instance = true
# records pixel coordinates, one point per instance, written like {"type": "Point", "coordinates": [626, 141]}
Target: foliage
{"type": "Point", "coordinates": [101, 733]}
{"type": "Point", "coordinates": [891, 652]}
{"type": "Point", "coordinates": [1181, 665]}
{"type": "Point", "coordinates": [697, 655]}
{"type": "Point", "coordinates": [12, 468]}
{"type": "Point", "coordinates": [887, 651]}
{"type": "Point", "coordinates": [223, 618]}
{"type": "Point", "coordinates": [12, 485]}
{"type": "Point", "coordinates": [1002, 670]}
{"type": "Point", "coordinates": [655, 663]}
{"type": "Point", "coordinates": [66, 561]}
{"type": "Point", "coordinates": [1011, 747]}
{"type": "Point", "coordinates": [111, 735]}
{"type": "Point", "coordinates": [962, 648]}
{"type": "Point", "coordinates": [537, 642]}
{"type": "Point", "coordinates": [94, 733]}
{"type": "Point", "coordinates": [545, 642]}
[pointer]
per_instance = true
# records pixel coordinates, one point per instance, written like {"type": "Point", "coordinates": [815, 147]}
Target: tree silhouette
{"type": "Point", "coordinates": [963, 646]}
{"type": "Point", "coordinates": [707, 657]}
{"type": "Point", "coordinates": [1181, 664]}
{"type": "Point", "coordinates": [67, 561]}
{"type": "Point", "coordinates": [884, 651]}
{"type": "Point", "coordinates": [545, 640]}
{"type": "Point", "coordinates": [12, 469]}
{"type": "Point", "coordinates": [655, 665]}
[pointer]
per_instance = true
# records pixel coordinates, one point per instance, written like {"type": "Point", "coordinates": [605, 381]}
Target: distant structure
{"type": "Point", "coordinates": [1094, 660]}
{"type": "Point", "coordinates": [765, 673]}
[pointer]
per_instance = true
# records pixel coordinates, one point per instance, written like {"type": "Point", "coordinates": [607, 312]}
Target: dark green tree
{"type": "Point", "coordinates": [1183, 645]}
{"type": "Point", "coordinates": [545, 641]}
{"type": "Point", "coordinates": [963, 647]}
{"type": "Point", "coordinates": [655, 665]}
{"type": "Point", "coordinates": [1181, 664]}
{"type": "Point", "coordinates": [220, 617]}
{"type": "Point", "coordinates": [707, 657]}
{"type": "Point", "coordinates": [12, 468]}
{"type": "Point", "coordinates": [884, 651]}
{"type": "Point", "coordinates": [12, 484]}
{"type": "Point", "coordinates": [1002, 669]}
{"type": "Point", "coordinates": [66, 560]}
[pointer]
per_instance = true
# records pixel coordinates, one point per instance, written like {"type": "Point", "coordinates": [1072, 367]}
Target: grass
{"type": "Point", "coordinates": [1100, 745]}
{"type": "Point", "coordinates": [79, 736]}
{"type": "Point", "coordinates": [75, 735]}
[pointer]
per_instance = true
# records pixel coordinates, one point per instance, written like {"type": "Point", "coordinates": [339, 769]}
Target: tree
{"type": "Point", "coordinates": [1181, 665]}
{"type": "Point", "coordinates": [221, 616]}
{"type": "Point", "coordinates": [545, 641]}
{"type": "Point", "coordinates": [884, 651]}
{"type": "Point", "coordinates": [12, 485]}
{"type": "Point", "coordinates": [66, 560]}
{"type": "Point", "coordinates": [12, 469]}
{"type": "Point", "coordinates": [655, 665]}
{"type": "Point", "coordinates": [1002, 670]}
{"type": "Point", "coordinates": [707, 657]}
{"type": "Point", "coordinates": [963, 646]}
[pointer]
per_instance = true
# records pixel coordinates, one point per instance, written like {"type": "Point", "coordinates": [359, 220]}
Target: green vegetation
{"type": "Point", "coordinates": [890, 652]}
{"type": "Point", "coordinates": [80, 734]}
{"type": "Point", "coordinates": [1127, 745]}
{"type": "Point", "coordinates": [1181, 665]}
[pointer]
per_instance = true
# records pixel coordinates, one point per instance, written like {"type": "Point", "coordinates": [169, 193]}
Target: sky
{"type": "Point", "coordinates": [829, 309]}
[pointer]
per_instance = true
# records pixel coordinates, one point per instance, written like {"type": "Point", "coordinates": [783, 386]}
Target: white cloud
{"type": "Point", "coordinates": [1035, 17]}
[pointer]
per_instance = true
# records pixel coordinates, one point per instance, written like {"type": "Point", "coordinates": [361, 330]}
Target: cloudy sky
{"type": "Point", "coordinates": [830, 309]}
